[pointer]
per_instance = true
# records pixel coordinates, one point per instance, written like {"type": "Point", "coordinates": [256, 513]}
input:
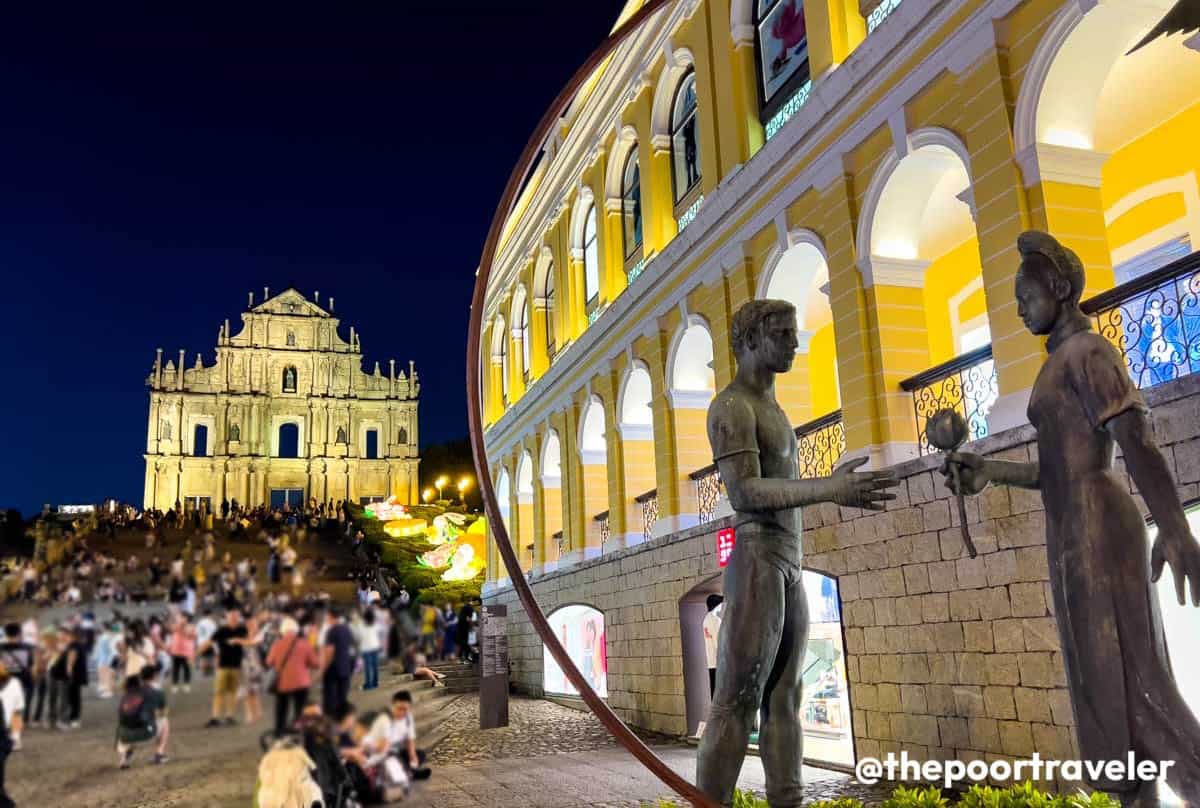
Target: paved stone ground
{"type": "Point", "coordinates": [555, 757]}
{"type": "Point", "coordinates": [209, 768]}
{"type": "Point", "coordinates": [536, 728]}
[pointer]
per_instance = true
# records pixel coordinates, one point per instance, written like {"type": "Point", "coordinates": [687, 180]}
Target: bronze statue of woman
{"type": "Point", "coordinates": [1123, 691]}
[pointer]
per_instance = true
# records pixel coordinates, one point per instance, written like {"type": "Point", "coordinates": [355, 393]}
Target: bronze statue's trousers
{"type": "Point", "coordinates": [760, 656]}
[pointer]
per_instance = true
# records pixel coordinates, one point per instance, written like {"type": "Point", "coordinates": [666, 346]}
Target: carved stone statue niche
{"type": "Point", "coordinates": [760, 651]}
{"type": "Point", "coordinates": [1122, 687]}
{"type": "Point", "coordinates": [341, 435]}
{"type": "Point", "coordinates": [235, 433]}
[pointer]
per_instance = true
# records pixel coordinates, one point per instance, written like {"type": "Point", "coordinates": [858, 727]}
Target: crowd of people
{"type": "Point", "coordinates": [255, 633]}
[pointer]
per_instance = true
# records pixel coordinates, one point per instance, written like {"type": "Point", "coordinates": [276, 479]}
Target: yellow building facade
{"type": "Point", "coordinates": [872, 162]}
{"type": "Point", "coordinates": [284, 415]}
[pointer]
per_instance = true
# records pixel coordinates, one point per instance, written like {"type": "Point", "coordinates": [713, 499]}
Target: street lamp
{"type": "Point", "coordinates": [463, 485]}
{"type": "Point", "coordinates": [427, 495]}
{"type": "Point", "coordinates": [440, 483]}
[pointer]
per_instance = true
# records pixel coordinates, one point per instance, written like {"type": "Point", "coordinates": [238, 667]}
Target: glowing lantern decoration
{"type": "Point", "coordinates": [386, 511]}
{"type": "Point", "coordinates": [438, 557]}
{"type": "Point", "coordinates": [464, 566]}
{"type": "Point", "coordinates": [404, 528]}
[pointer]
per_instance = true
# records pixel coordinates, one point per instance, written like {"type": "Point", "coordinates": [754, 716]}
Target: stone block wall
{"type": "Point", "coordinates": [948, 657]}
{"type": "Point", "coordinates": [638, 589]}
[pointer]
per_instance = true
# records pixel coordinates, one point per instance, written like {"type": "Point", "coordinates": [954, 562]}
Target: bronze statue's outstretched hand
{"type": "Point", "coordinates": [866, 490]}
{"type": "Point", "coordinates": [1182, 552]}
{"type": "Point", "coordinates": [972, 476]}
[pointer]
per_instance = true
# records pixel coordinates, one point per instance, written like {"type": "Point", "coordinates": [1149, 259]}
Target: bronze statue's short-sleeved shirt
{"type": "Point", "coordinates": [739, 423]}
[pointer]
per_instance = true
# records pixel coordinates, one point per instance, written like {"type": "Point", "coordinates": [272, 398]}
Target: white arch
{"type": "Point", "coordinates": [541, 272]}
{"type": "Point", "coordinates": [525, 478]}
{"type": "Point", "coordinates": [1057, 102]}
{"type": "Point", "coordinates": [518, 314]}
{"type": "Point", "coordinates": [593, 446]}
{"type": "Point", "coordinates": [795, 273]}
{"type": "Point", "coordinates": [690, 377]}
{"type": "Point", "coordinates": [551, 461]}
{"type": "Point", "coordinates": [626, 141]}
{"type": "Point", "coordinates": [519, 301]}
{"type": "Point", "coordinates": [499, 334]}
{"type": "Point", "coordinates": [584, 201]}
{"type": "Point", "coordinates": [679, 62]}
{"type": "Point", "coordinates": [897, 214]}
{"type": "Point", "coordinates": [503, 494]}
{"type": "Point", "coordinates": [636, 419]}
{"type": "Point", "coordinates": [741, 21]}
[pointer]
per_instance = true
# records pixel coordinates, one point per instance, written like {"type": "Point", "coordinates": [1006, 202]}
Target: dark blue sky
{"type": "Point", "coordinates": [156, 166]}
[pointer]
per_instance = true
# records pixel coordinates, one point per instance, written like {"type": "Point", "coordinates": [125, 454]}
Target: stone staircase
{"type": "Point", "coordinates": [430, 706]}
{"type": "Point", "coordinates": [461, 678]}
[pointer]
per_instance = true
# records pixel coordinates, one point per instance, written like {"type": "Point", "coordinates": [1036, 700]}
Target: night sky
{"type": "Point", "coordinates": [156, 166]}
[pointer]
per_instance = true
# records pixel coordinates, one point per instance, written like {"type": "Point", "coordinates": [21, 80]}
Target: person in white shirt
{"type": "Point", "coordinates": [395, 732]}
{"type": "Point", "coordinates": [368, 645]}
{"type": "Point", "coordinates": [712, 630]}
{"type": "Point", "coordinates": [12, 696]}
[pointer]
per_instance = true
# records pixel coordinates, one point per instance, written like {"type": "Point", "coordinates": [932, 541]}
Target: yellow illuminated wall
{"type": "Point", "coordinates": [944, 280]}
{"type": "Point", "coordinates": [1167, 153]}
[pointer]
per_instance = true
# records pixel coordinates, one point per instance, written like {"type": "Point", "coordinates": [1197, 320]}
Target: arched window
{"type": "Point", "coordinates": [289, 440]}
{"type": "Point", "coordinates": [523, 327]}
{"type": "Point", "coordinates": [591, 262]}
{"type": "Point", "coordinates": [371, 450]}
{"type": "Point", "coordinates": [685, 146]}
{"type": "Point", "coordinates": [551, 345]}
{"type": "Point", "coordinates": [631, 204]}
{"type": "Point", "coordinates": [289, 379]}
{"type": "Point", "coordinates": [200, 441]}
{"type": "Point", "coordinates": [782, 51]}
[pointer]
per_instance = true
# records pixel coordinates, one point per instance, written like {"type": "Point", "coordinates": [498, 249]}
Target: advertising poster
{"type": "Point", "coordinates": [581, 631]}
{"type": "Point", "coordinates": [784, 42]}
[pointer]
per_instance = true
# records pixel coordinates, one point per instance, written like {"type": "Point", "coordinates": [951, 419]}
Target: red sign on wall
{"type": "Point", "coordinates": [726, 539]}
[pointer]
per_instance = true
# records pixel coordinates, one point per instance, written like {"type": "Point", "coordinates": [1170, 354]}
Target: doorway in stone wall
{"type": "Point", "coordinates": [291, 497]}
{"type": "Point", "coordinates": [825, 709]}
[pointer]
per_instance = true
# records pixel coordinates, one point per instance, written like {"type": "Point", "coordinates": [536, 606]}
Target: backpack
{"type": "Point", "coordinates": [134, 711]}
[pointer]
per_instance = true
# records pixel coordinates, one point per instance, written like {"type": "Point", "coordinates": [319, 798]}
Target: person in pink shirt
{"type": "Point", "coordinates": [293, 658]}
{"type": "Point", "coordinates": [182, 648]}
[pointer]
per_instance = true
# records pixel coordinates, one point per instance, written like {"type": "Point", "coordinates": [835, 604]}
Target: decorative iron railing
{"type": "Point", "coordinates": [819, 445]}
{"type": "Point", "coordinates": [708, 491]}
{"type": "Point", "coordinates": [602, 520]}
{"type": "Point", "coordinates": [649, 503]}
{"type": "Point", "coordinates": [1154, 321]}
{"type": "Point", "coordinates": [879, 14]}
{"type": "Point", "coordinates": [967, 383]}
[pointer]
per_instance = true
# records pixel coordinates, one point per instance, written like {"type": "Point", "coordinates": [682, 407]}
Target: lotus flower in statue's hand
{"type": "Point", "coordinates": [947, 430]}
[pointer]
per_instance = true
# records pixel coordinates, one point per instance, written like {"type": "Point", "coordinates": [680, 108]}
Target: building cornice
{"type": "Point", "coordinates": [735, 211]}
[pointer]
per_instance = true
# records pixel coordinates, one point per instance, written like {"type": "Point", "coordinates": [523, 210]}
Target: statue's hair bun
{"type": "Point", "coordinates": [1062, 260]}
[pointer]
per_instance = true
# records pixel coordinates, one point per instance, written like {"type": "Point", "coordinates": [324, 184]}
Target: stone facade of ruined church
{"type": "Point", "coordinates": [286, 412]}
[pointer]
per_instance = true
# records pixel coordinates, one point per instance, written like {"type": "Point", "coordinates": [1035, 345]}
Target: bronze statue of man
{"type": "Point", "coordinates": [764, 633]}
{"type": "Point", "coordinates": [1122, 688]}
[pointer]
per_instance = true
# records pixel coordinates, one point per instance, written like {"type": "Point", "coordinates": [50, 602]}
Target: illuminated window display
{"type": "Point", "coordinates": [581, 631]}
{"type": "Point", "coordinates": [825, 710]}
